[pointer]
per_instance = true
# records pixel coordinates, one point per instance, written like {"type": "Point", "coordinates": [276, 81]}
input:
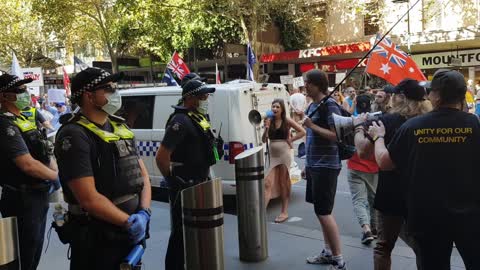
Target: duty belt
{"type": "Point", "coordinates": [26, 187]}
{"type": "Point", "coordinates": [76, 209]}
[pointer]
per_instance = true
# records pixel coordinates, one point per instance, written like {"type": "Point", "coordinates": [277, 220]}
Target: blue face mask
{"type": "Point", "coordinates": [114, 103]}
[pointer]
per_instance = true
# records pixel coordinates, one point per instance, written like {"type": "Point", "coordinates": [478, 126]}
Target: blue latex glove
{"type": "Point", "coordinates": [54, 186]}
{"type": "Point", "coordinates": [138, 226]}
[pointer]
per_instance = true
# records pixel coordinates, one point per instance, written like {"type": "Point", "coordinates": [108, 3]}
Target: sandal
{"type": "Point", "coordinates": [281, 219]}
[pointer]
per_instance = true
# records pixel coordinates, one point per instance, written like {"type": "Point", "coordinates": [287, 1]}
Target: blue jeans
{"type": "Point", "coordinates": [30, 208]}
{"type": "Point", "coordinates": [363, 187]}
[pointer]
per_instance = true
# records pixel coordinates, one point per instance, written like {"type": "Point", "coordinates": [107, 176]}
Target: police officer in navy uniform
{"type": "Point", "coordinates": [187, 151]}
{"type": "Point", "coordinates": [435, 154]}
{"type": "Point", "coordinates": [27, 167]}
{"type": "Point", "coordinates": [105, 183]}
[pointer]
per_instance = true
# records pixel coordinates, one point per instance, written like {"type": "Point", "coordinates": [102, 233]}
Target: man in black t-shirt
{"type": "Point", "coordinates": [28, 171]}
{"type": "Point", "coordinates": [106, 184]}
{"type": "Point", "coordinates": [186, 153]}
{"type": "Point", "coordinates": [434, 153]}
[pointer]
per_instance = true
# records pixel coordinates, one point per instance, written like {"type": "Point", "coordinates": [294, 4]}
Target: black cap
{"type": "Point", "coordinates": [390, 89]}
{"type": "Point", "coordinates": [9, 83]}
{"type": "Point", "coordinates": [411, 89]}
{"type": "Point", "coordinates": [195, 88]}
{"type": "Point", "coordinates": [191, 76]}
{"type": "Point", "coordinates": [450, 83]}
{"type": "Point", "coordinates": [88, 79]}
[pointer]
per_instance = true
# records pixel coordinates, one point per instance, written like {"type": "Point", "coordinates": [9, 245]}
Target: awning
{"type": "Point", "coordinates": [329, 53]}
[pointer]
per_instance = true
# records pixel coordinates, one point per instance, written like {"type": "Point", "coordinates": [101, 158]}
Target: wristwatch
{"type": "Point", "coordinates": [376, 138]}
{"type": "Point", "coordinates": [148, 211]}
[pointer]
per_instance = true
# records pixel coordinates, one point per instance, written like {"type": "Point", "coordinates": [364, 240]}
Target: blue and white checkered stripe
{"type": "Point", "coordinates": [226, 149]}
{"type": "Point", "coordinates": [147, 148]}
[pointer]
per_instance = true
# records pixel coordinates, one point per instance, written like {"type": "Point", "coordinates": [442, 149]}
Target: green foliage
{"type": "Point", "coordinates": [294, 36]}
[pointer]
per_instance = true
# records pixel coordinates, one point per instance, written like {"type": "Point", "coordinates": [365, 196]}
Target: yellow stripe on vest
{"type": "Point", "coordinates": [200, 119]}
{"type": "Point", "coordinates": [24, 124]}
{"type": "Point", "coordinates": [120, 131]}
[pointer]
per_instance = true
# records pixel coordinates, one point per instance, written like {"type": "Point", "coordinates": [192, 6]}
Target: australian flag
{"type": "Point", "coordinates": [251, 60]}
{"type": "Point", "coordinates": [168, 78]}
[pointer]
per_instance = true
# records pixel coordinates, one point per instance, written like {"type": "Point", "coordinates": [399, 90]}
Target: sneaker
{"type": "Point", "coordinates": [321, 258]}
{"type": "Point", "coordinates": [334, 266]}
{"type": "Point", "coordinates": [367, 238]}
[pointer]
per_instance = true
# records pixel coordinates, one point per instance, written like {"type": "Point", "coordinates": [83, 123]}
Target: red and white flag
{"type": "Point", "coordinates": [66, 82]}
{"type": "Point", "coordinates": [178, 66]}
{"type": "Point", "coordinates": [217, 75]}
{"type": "Point", "coordinates": [387, 61]}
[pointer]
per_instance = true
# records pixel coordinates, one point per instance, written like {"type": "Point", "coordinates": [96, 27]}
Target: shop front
{"type": "Point", "coordinates": [335, 59]}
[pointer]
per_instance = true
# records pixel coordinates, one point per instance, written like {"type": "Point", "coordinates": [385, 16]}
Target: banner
{"type": "Point", "coordinates": [34, 73]}
{"type": "Point", "coordinates": [298, 82]}
{"type": "Point", "coordinates": [56, 95]}
{"type": "Point", "coordinates": [286, 79]}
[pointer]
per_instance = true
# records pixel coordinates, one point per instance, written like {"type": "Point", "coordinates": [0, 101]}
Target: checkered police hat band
{"type": "Point", "coordinates": [195, 91]}
{"type": "Point", "coordinates": [90, 85]}
{"type": "Point", "coordinates": [10, 85]}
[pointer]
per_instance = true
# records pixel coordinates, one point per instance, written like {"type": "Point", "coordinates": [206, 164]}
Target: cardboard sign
{"type": "Point", "coordinates": [56, 95]}
{"type": "Point", "coordinates": [339, 77]}
{"type": "Point", "coordinates": [34, 73]}
{"type": "Point", "coordinates": [298, 82]}
{"type": "Point", "coordinates": [286, 79]}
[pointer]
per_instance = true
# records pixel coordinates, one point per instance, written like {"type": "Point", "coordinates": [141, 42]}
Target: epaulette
{"type": "Point", "coordinates": [68, 117]}
{"type": "Point", "coordinates": [116, 118]}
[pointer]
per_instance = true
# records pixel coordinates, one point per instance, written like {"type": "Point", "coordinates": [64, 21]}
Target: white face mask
{"type": "Point", "coordinates": [203, 106]}
{"type": "Point", "coordinates": [114, 103]}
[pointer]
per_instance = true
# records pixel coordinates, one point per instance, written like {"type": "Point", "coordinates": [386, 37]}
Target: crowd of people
{"type": "Point", "coordinates": [412, 176]}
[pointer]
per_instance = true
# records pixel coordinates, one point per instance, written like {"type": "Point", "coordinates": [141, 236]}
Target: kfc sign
{"type": "Point", "coordinates": [310, 53]}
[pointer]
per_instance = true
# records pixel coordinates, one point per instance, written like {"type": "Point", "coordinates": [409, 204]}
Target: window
{"type": "Point", "coordinates": [137, 111]}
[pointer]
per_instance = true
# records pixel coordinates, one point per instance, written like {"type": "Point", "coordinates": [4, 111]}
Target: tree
{"type": "Point", "coordinates": [21, 33]}
{"type": "Point", "coordinates": [105, 24]}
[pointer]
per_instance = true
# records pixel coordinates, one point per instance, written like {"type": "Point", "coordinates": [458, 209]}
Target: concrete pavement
{"type": "Point", "coordinates": [289, 245]}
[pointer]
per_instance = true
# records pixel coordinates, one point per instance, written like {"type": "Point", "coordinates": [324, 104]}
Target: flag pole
{"type": "Point", "coordinates": [166, 66]}
{"type": "Point", "coordinates": [363, 58]}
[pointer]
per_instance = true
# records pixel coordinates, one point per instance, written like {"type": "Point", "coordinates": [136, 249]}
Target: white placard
{"type": "Point", "coordinates": [286, 79]}
{"type": "Point", "coordinates": [298, 82]}
{"type": "Point", "coordinates": [339, 77]}
{"type": "Point", "coordinates": [56, 95]}
{"type": "Point", "coordinates": [34, 73]}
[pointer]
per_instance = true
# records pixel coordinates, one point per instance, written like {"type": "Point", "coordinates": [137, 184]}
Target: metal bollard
{"type": "Point", "coordinates": [9, 247]}
{"type": "Point", "coordinates": [252, 221]}
{"type": "Point", "coordinates": [202, 207]}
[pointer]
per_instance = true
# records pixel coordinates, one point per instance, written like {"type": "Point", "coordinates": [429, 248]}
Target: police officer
{"type": "Point", "coordinates": [105, 184]}
{"type": "Point", "coordinates": [36, 117]}
{"type": "Point", "coordinates": [434, 152]}
{"type": "Point", "coordinates": [188, 149]}
{"type": "Point", "coordinates": [27, 169]}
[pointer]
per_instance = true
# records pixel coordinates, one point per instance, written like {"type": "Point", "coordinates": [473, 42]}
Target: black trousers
{"type": "Point", "coordinates": [435, 245]}
{"type": "Point", "coordinates": [30, 208]}
{"type": "Point", "coordinates": [174, 259]}
{"type": "Point", "coordinates": [92, 248]}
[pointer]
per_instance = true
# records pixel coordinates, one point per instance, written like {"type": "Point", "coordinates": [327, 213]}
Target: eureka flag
{"type": "Point", "coordinates": [251, 60]}
{"type": "Point", "coordinates": [390, 63]}
{"type": "Point", "coordinates": [178, 66]}
{"type": "Point", "coordinates": [168, 78]}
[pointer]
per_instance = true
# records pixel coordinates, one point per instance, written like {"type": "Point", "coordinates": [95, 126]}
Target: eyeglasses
{"type": "Point", "coordinates": [109, 88]}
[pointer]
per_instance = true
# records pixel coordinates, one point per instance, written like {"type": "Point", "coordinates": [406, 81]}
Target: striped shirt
{"type": "Point", "coordinates": [321, 152]}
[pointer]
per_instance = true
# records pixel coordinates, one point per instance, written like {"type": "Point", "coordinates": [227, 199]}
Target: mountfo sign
{"type": "Point", "coordinates": [443, 59]}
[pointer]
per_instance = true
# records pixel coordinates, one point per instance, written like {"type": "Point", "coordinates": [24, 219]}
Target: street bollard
{"type": "Point", "coordinates": [9, 248]}
{"type": "Point", "coordinates": [202, 207]}
{"type": "Point", "coordinates": [252, 222]}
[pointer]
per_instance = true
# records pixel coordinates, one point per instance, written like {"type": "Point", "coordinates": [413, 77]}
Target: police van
{"type": "Point", "coordinates": [146, 111]}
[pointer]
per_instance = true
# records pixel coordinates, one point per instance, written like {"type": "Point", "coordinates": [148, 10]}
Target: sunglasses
{"type": "Point", "coordinates": [109, 88]}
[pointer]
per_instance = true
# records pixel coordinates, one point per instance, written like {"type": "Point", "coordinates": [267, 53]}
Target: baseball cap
{"type": "Point", "coordinates": [389, 89]}
{"type": "Point", "coordinates": [88, 79]}
{"type": "Point", "coordinates": [196, 87]}
{"type": "Point", "coordinates": [450, 83]}
{"type": "Point", "coordinates": [411, 89]}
